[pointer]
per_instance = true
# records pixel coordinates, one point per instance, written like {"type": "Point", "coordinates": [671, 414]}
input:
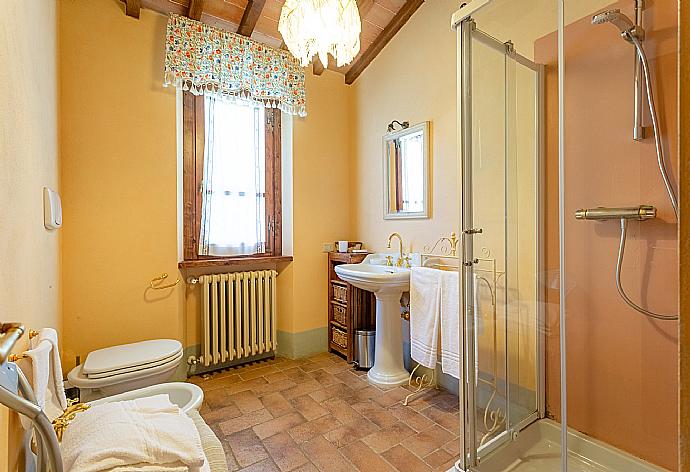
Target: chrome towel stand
{"type": "Point", "coordinates": [12, 383]}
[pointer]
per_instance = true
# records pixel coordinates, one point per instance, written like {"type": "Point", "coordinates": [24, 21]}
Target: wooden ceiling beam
{"type": "Point", "coordinates": [250, 17]}
{"type": "Point", "coordinates": [384, 38]}
{"type": "Point", "coordinates": [133, 8]}
{"type": "Point", "coordinates": [196, 9]}
{"type": "Point", "coordinates": [364, 6]}
{"type": "Point", "coordinates": [317, 66]}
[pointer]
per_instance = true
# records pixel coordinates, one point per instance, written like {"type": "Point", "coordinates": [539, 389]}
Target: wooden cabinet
{"type": "Point", "coordinates": [349, 308]}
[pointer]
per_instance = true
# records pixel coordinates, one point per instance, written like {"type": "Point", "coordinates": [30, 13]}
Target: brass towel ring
{"type": "Point", "coordinates": [155, 282]}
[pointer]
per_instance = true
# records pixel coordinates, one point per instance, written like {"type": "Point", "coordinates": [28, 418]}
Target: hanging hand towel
{"type": "Point", "coordinates": [56, 383]}
{"type": "Point", "coordinates": [424, 315]}
{"type": "Point", "coordinates": [450, 323]}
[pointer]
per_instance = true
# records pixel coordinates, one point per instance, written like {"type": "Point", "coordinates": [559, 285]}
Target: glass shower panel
{"type": "Point", "coordinates": [501, 222]}
{"type": "Point", "coordinates": [489, 214]}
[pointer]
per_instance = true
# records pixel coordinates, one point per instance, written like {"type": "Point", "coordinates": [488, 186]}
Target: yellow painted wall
{"type": "Point", "coordinates": [29, 254]}
{"type": "Point", "coordinates": [119, 174]}
{"type": "Point", "coordinates": [120, 186]}
{"type": "Point", "coordinates": [412, 79]}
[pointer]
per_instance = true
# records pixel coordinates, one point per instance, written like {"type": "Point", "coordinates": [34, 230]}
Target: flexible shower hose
{"type": "Point", "coordinates": [664, 176]}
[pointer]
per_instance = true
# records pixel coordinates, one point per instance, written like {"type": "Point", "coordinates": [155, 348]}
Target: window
{"type": "Point", "coordinates": [232, 189]}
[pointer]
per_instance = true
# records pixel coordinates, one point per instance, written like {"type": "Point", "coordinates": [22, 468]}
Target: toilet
{"type": "Point", "coordinates": [117, 369]}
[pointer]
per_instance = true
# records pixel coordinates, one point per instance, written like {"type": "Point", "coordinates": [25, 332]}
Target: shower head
{"type": "Point", "coordinates": [619, 20]}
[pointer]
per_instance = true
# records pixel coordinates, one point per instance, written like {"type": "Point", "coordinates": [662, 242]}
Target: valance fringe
{"type": "Point", "coordinates": [205, 60]}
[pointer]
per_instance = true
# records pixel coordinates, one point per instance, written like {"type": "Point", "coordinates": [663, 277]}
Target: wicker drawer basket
{"type": "Point", "coordinates": [340, 314]}
{"type": "Point", "coordinates": [339, 293]}
{"type": "Point", "coordinates": [339, 337]}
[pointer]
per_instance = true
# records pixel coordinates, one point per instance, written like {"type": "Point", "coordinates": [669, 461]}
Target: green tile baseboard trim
{"type": "Point", "coordinates": [302, 344]}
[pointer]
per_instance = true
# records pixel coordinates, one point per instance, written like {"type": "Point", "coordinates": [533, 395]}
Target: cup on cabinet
{"type": "Point", "coordinates": [342, 246]}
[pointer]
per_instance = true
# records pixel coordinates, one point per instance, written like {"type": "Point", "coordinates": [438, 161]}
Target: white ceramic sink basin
{"type": "Point", "coordinates": [388, 283]}
{"type": "Point", "coordinates": [374, 278]}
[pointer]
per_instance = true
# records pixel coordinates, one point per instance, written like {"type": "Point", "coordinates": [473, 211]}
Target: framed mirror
{"type": "Point", "coordinates": [406, 185]}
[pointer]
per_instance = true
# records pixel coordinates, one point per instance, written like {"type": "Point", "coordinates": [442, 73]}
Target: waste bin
{"type": "Point", "coordinates": [364, 348]}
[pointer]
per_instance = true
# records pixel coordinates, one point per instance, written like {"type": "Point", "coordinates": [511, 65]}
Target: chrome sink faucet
{"type": "Point", "coordinates": [399, 262]}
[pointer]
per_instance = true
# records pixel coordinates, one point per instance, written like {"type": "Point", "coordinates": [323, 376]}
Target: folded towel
{"type": "Point", "coordinates": [450, 323]}
{"type": "Point", "coordinates": [56, 383]}
{"type": "Point", "coordinates": [40, 370]}
{"type": "Point", "coordinates": [424, 315]}
{"type": "Point", "coordinates": [131, 434]}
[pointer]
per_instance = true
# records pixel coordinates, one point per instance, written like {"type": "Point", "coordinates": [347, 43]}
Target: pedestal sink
{"type": "Point", "coordinates": [388, 284]}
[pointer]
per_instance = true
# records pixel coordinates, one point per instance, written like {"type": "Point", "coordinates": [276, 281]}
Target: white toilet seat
{"type": "Point", "coordinates": [77, 378]}
{"type": "Point", "coordinates": [173, 359]}
{"type": "Point", "coordinates": [127, 357]}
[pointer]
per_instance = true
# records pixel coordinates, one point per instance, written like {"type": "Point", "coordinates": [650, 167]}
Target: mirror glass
{"type": "Point", "coordinates": [406, 165]}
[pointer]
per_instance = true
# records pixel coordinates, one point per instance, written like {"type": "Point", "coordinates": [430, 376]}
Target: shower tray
{"type": "Point", "coordinates": [538, 449]}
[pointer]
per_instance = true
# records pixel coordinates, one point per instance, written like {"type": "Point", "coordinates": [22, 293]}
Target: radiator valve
{"type": "Point", "coordinates": [192, 360]}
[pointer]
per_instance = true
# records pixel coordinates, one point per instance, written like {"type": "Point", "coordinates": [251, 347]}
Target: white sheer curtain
{"type": "Point", "coordinates": [233, 218]}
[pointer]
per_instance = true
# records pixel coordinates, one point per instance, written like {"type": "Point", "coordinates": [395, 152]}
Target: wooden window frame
{"type": "Point", "coordinates": [192, 174]}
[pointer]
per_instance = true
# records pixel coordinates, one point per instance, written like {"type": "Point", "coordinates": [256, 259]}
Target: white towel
{"type": "Point", "coordinates": [56, 383]}
{"type": "Point", "coordinates": [424, 315]}
{"type": "Point", "coordinates": [450, 323]}
{"type": "Point", "coordinates": [130, 434]}
{"type": "Point", "coordinates": [40, 371]}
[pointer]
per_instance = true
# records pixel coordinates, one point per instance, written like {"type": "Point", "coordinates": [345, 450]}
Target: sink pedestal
{"type": "Point", "coordinates": [388, 366]}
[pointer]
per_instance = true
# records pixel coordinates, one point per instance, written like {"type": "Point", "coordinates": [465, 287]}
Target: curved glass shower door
{"type": "Point", "coordinates": [501, 109]}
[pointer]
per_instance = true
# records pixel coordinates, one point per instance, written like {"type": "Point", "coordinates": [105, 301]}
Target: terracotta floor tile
{"type": "Point", "coordinates": [298, 375]}
{"type": "Point", "coordinates": [245, 421]}
{"type": "Point", "coordinates": [375, 413]}
{"type": "Point", "coordinates": [302, 388]}
{"type": "Point", "coordinates": [308, 467]}
{"type": "Point", "coordinates": [276, 376]}
{"type": "Point", "coordinates": [452, 447]}
{"type": "Point", "coordinates": [449, 421]}
{"type": "Point", "coordinates": [324, 378]}
{"type": "Point", "coordinates": [308, 407]}
{"type": "Point", "coordinates": [404, 461]}
{"type": "Point", "coordinates": [341, 410]}
{"type": "Point", "coordinates": [437, 458]}
{"type": "Point", "coordinates": [428, 440]}
{"type": "Point", "coordinates": [246, 401]}
{"type": "Point", "coordinates": [246, 447]}
{"type": "Point", "coordinates": [386, 438]}
{"type": "Point", "coordinates": [365, 459]}
{"type": "Point", "coordinates": [276, 404]}
{"type": "Point", "coordinates": [338, 390]}
{"type": "Point", "coordinates": [258, 372]}
{"type": "Point", "coordinates": [278, 425]}
{"type": "Point", "coordinates": [278, 386]}
{"type": "Point", "coordinates": [221, 414]}
{"type": "Point", "coordinates": [217, 398]}
{"type": "Point", "coordinates": [350, 432]}
{"type": "Point", "coordinates": [241, 386]}
{"type": "Point", "coordinates": [391, 397]}
{"type": "Point", "coordinates": [311, 429]}
{"type": "Point", "coordinates": [447, 402]}
{"type": "Point", "coordinates": [325, 456]}
{"type": "Point", "coordinates": [285, 452]}
{"type": "Point", "coordinates": [319, 414]}
{"type": "Point", "coordinates": [411, 418]}
{"type": "Point", "coordinates": [266, 465]}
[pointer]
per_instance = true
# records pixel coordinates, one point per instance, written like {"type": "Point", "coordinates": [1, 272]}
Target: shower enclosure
{"type": "Point", "coordinates": [569, 235]}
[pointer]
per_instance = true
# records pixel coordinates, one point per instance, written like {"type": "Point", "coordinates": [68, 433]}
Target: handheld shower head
{"type": "Point", "coordinates": [618, 19]}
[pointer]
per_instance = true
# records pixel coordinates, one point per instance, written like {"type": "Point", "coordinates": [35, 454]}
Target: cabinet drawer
{"type": "Point", "coordinates": [339, 337]}
{"type": "Point", "coordinates": [339, 293]}
{"type": "Point", "coordinates": [339, 314]}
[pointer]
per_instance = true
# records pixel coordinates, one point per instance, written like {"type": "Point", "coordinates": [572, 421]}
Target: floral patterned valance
{"type": "Point", "coordinates": [208, 60]}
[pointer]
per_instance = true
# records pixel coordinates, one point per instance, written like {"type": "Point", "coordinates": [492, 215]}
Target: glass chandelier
{"type": "Point", "coordinates": [320, 27]}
